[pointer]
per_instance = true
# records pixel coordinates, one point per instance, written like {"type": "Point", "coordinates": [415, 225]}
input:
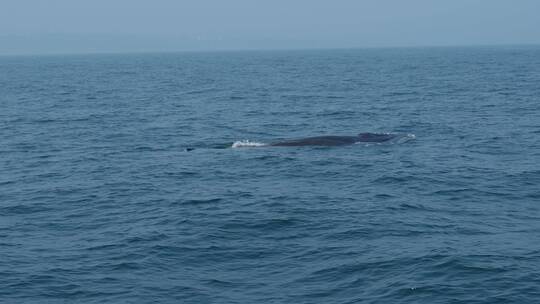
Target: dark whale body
{"type": "Point", "coordinates": [335, 140]}
{"type": "Point", "coordinates": [321, 141]}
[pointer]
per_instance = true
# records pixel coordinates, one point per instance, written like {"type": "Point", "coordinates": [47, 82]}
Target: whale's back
{"type": "Point", "coordinates": [318, 141]}
{"type": "Point", "coordinates": [335, 140]}
{"type": "Point", "coordinates": [375, 137]}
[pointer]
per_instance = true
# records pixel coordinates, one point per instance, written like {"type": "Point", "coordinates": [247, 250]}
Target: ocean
{"type": "Point", "coordinates": [119, 182]}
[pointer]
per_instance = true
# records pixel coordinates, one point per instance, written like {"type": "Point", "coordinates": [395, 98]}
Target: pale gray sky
{"type": "Point", "coordinates": [73, 26]}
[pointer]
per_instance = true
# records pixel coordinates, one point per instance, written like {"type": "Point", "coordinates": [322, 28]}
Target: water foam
{"type": "Point", "coordinates": [246, 144]}
{"type": "Point", "coordinates": [407, 138]}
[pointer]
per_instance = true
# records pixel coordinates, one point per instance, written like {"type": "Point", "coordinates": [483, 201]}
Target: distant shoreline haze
{"type": "Point", "coordinates": [102, 44]}
{"type": "Point", "coordinates": [135, 26]}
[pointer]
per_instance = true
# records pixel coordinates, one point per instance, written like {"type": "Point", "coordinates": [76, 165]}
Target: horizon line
{"type": "Point", "coordinates": [263, 49]}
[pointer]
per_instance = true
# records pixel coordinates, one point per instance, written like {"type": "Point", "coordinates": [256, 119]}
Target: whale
{"type": "Point", "coordinates": [334, 140]}
{"type": "Point", "coordinates": [321, 141]}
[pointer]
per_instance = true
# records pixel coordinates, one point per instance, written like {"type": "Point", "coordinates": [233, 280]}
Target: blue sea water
{"type": "Point", "coordinates": [101, 201]}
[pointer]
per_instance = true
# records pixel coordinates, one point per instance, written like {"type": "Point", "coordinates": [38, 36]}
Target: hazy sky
{"type": "Point", "coordinates": [65, 26]}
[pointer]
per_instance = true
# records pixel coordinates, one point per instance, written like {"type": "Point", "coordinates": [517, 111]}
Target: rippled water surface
{"type": "Point", "coordinates": [118, 182]}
